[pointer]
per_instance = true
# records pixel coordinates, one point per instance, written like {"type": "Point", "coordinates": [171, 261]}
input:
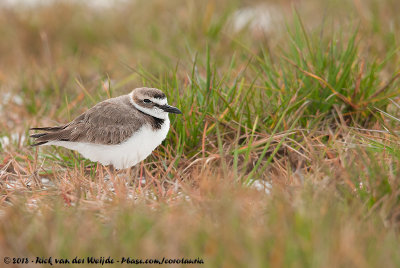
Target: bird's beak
{"type": "Point", "coordinates": [170, 109]}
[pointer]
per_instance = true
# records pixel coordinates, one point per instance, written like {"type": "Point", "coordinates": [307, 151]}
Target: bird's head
{"type": "Point", "coordinates": [153, 102]}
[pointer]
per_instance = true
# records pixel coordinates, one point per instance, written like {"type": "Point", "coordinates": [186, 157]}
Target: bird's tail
{"type": "Point", "coordinates": [51, 129]}
{"type": "Point", "coordinates": [43, 138]}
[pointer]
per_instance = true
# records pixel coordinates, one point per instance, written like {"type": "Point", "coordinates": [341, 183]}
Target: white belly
{"type": "Point", "coordinates": [123, 155]}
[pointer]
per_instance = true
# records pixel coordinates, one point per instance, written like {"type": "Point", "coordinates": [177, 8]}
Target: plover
{"type": "Point", "coordinates": [121, 131]}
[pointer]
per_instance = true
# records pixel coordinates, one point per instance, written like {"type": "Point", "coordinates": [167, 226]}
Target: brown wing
{"type": "Point", "coordinates": [109, 122]}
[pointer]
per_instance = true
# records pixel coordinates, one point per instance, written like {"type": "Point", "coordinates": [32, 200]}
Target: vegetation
{"type": "Point", "coordinates": [287, 153]}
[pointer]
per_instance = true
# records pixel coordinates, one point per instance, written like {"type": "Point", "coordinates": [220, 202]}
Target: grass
{"type": "Point", "coordinates": [309, 106]}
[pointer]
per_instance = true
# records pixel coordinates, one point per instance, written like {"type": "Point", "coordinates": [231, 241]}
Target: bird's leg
{"type": "Point", "coordinates": [141, 175]}
{"type": "Point", "coordinates": [99, 171]}
{"type": "Point", "coordinates": [128, 172]}
{"type": "Point", "coordinates": [114, 172]}
{"type": "Point", "coordinates": [111, 172]}
{"type": "Point", "coordinates": [112, 183]}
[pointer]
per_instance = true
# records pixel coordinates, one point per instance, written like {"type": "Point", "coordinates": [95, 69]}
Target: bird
{"type": "Point", "coordinates": [120, 131]}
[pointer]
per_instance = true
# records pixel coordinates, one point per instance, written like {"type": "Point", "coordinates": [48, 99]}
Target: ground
{"type": "Point", "coordinates": [286, 155]}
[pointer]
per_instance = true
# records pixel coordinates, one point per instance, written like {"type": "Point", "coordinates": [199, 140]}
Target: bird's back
{"type": "Point", "coordinates": [111, 121]}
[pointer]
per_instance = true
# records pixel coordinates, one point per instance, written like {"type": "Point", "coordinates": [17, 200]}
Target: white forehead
{"type": "Point", "coordinates": [159, 101]}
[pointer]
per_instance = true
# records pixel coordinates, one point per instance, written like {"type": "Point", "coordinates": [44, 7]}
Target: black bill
{"type": "Point", "coordinates": [170, 109]}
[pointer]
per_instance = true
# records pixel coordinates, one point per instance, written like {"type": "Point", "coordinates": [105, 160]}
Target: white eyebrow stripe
{"type": "Point", "coordinates": [159, 101]}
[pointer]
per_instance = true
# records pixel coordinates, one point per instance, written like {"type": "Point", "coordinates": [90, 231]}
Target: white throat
{"type": "Point", "coordinates": [156, 112]}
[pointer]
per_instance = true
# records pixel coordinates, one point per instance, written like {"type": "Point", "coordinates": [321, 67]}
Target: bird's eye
{"type": "Point", "coordinates": [146, 100]}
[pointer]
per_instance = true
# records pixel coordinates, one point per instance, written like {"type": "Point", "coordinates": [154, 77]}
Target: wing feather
{"type": "Point", "coordinates": [109, 122]}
